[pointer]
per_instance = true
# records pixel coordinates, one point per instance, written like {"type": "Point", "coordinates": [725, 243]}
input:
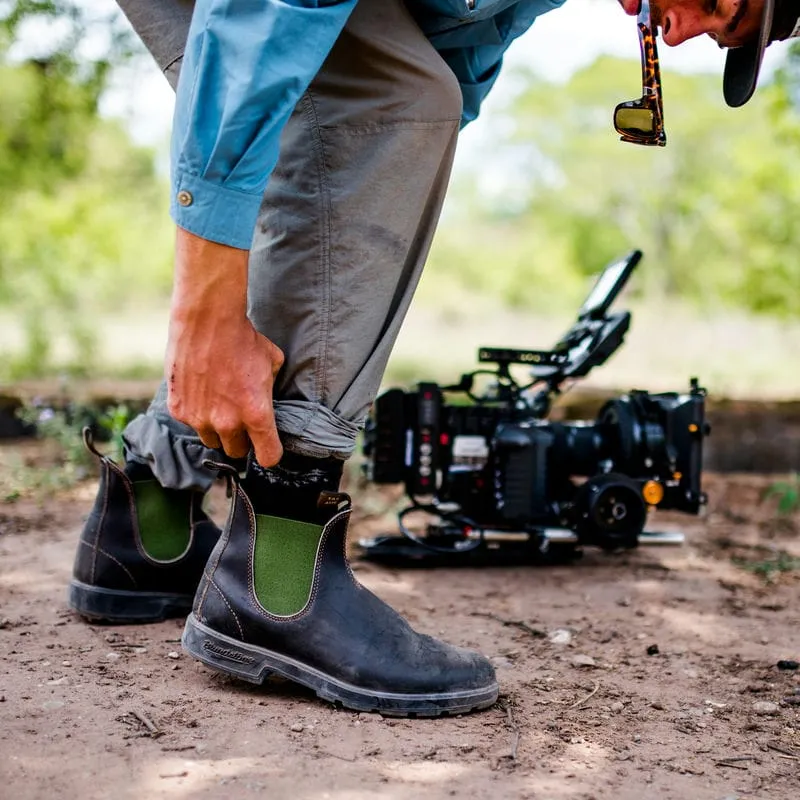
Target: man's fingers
{"type": "Point", "coordinates": [268, 451]}
{"type": "Point", "coordinates": [277, 358]}
{"type": "Point", "coordinates": [274, 355]}
{"type": "Point", "coordinates": [235, 443]}
{"type": "Point", "coordinates": [209, 437]}
{"type": "Point", "coordinates": [266, 443]}
{"type": "Point", "coordinates": [263, 433]}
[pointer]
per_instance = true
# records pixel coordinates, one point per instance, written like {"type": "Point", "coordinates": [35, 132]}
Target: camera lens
{"type": "Point", "coordinates": [609, 512]}
{"type": "Point", "coordinates": [618, 510]}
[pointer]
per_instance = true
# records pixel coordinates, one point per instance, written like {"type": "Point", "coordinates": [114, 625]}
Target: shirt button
{"type": "Point", "coordinates": [185, 198]}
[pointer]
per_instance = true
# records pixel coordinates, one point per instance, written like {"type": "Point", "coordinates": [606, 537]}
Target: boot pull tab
{"type": "Point", "coordinates": [333, 501]}
{"type": "Point", "coordinates": [88, 442]}
{"type": "Point", "coordinates": [231, 474]}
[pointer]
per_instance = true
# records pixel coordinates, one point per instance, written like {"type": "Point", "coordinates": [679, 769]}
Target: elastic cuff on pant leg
{"type": "Point", "coordinates": [175, 459]}
{"type": "Point", "coordinates": [313, 430]}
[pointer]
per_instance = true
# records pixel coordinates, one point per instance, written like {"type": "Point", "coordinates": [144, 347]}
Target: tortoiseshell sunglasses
{"type": "Point", "coordinates": [642, 121]}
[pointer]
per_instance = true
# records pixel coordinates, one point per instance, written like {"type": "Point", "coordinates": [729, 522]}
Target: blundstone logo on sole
{"type": "Point", "coordinates": [231, 655]}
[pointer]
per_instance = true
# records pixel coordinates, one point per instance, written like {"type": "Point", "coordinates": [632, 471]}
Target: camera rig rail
{"type": "Point", "coordinates": [491, 478]}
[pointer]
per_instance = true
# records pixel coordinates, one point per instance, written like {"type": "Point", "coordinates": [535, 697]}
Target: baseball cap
{"type": "Point", "coordinates": [779, 21]}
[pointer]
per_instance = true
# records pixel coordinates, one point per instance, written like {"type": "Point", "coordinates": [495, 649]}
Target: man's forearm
{"type": "Point", "coordinates": [210, 279]}
{"type": "Point", "coordinates": [219, 369]}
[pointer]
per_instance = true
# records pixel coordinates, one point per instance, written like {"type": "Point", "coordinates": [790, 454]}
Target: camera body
{"type": "Point", "coordinates": [493, 464]}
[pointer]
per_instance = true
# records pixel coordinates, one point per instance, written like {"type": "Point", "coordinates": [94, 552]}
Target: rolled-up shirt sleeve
{"type": "Point", "coordinates": [247, 63]}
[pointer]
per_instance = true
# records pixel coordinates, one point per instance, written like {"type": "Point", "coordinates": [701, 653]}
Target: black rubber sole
{"type": "Point", "coordinates": [121, 606]}
{"type": "Point", "coordinates": [256, 664]}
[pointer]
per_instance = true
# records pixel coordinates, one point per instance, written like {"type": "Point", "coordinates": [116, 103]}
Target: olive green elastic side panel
{"type": "Point", "coordinates": [163, 520]}
{"type": "Point", "coordinates": [283, 563]}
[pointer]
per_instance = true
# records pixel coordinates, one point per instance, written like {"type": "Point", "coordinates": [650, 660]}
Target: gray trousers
{"type": "Point", "coordinates": [343, 232]}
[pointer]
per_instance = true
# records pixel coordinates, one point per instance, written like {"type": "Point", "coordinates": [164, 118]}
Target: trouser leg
{"type": "Point", "coordinates": [347, 221]}
{"type": "Point", "coordinates": [343, 233]}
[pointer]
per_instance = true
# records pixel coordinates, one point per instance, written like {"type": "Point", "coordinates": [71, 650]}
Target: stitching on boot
{"type": "Point", "coordinates": [210, 569]}
{"type": "Point", "coordinates": [322, 541]}
{"type": "Point", "coordinates": [347, 563]}
{"type": "Point", "coordinates": [137, 536]}
{"type": "Point", "coordinates": [342, 516]}
{"type": "Point", "coordinates": [192, 524]}
{"type": "Point", "coordinates": [111, 558]}
{"type": "Point", "coordinates": [203, 594]}
{"type": "Point", "coordinates": [312, 595]}
{"type": "Point", "coordinates": [251, 588]}
{"type": "Point", "coordinates": [132, 504]}
{"type": "Point", "coordinates": [230, 608]}
{"type": "Point", "coordinates": [137, 539]}
{"type": "Point", "coordinates": [101, 521]}
{"type": "Point", "coordinates": [172, 561]}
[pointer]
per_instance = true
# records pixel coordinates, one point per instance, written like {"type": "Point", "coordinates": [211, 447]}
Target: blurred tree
{"type": "Point", "coordinates": [83, 220]}
{"type": "Point", "coordinates": [787, 79]}
{"type": "Point", "coordinates": [53, 80]}
{"type": "Point", "coordinates": [715, 211]}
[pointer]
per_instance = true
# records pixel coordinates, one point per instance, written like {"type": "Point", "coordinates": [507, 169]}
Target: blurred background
{"type": "Point", "coordinates": [543, 196]}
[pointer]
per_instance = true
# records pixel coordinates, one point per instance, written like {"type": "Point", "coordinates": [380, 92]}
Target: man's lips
{"type": "Point", "coordinates": [630, 7]}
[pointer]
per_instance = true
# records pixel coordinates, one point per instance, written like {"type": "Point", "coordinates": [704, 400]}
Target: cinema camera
{"type": "Point", "coordinates": [493, 473]}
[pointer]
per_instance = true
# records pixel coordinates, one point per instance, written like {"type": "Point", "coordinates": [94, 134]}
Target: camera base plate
{"type": "Point", "coordinates": [548, 547]}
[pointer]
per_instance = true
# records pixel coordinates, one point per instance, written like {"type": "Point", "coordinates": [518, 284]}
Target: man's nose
{"type": "Point", "coordinates": [678, 25]}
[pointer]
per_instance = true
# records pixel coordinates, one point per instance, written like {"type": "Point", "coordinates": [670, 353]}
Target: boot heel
{"type": "Point", "coordinates": [223, 653]}
{"type": "Point", "coordinates": [121, 606]}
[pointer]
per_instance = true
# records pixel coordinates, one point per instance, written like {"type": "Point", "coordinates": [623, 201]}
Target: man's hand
{"type": "Point", "coordinates": [219, 369]}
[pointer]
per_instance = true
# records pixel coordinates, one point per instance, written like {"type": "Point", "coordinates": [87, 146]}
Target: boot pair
{"type": "Point", "coordinates": [267, 596]}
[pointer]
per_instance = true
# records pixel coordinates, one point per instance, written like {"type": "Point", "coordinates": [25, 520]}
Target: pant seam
{"type": "Point", "coordinates": [326, 236]}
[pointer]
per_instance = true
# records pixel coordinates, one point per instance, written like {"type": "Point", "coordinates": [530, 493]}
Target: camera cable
{"type": "Point", "coordinates": [464, 524]}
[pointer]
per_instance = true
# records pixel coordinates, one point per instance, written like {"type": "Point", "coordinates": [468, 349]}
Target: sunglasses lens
{"type": "Point", "coordinates": [634, 122]}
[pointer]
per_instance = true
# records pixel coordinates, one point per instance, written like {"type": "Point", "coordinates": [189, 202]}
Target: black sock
{"type": "Point", "coordinates": [137, 471]}
{"type": "Point", "coordinates": [291, 488]}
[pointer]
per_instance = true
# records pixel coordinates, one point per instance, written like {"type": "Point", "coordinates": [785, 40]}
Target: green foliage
{"type": "Point", "coordinates": [103, 240]}
{"type": "Point", "coordinates": [505, 260]}
{"type": "Point", "coordinates": [84, 223]}
{"type": "Point", "coordinates": [67, 460]}
{"type": "Point", "coordinates": [113, 422]}
{"type": "Point", "coordinates": [787, 79]}
{"type": "Point", "coordinates": [51, 88]}
{"type": "Point", "coordinates": [21, 480]}
{"type": "Point", "coordinates": [769, 568]}
{"type": "Point", "coordinates": [715, 211]}
{"type": "Point", "coordinates": [788, 494]}
{"type": "Point", "coordinates": [63, 428]}
{"type": "Point", "coordinates": [12, 495]}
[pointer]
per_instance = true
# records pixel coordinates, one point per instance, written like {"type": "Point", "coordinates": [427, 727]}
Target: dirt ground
{"type": "Point", "coordinates": [647, 675]}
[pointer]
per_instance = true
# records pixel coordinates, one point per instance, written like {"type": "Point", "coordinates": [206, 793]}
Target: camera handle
{"type": "Point", "coordinates": [543, 401]}
{"type": "Point", "coordinates": [506, 390]}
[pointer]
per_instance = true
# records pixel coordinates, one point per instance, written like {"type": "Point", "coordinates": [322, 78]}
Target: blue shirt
{"type": "Point", "coordinates": [246, 65]}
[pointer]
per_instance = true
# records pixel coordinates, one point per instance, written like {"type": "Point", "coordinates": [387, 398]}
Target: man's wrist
{"type": "Point", "coordinates": [210, 278]}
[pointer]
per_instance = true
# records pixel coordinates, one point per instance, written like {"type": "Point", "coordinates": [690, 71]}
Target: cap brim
{"type": "Point", "coordinates": [744, 63]}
